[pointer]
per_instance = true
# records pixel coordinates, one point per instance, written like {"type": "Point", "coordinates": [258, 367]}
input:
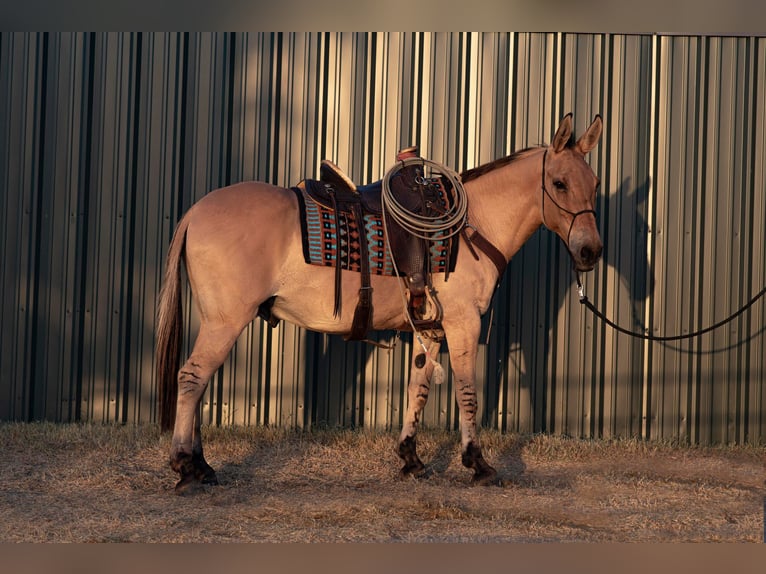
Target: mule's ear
{"type": "Point", "coordinates": [561, 139]}
{"type": "Point", "coordinates": [591, 136]}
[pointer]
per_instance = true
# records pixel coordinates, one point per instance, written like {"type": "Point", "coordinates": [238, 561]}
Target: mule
{"type": "Point", "coordinates": [242, 246]}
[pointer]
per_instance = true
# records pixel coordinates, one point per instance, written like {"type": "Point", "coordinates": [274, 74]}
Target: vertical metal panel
{"type": "Point", "coordinates": [19, 104]}
{"type": "Point", "coordinates": [106, 139]}
{"type": "Point", "coordinates": [706, 232]}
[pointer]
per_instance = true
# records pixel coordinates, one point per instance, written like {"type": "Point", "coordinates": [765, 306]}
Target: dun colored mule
{"type": "Point", "coordinates": [242, 246]}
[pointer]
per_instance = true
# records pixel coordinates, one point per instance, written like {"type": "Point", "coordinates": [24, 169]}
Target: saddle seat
{"type": "Point", "coordinates": [334, 181]}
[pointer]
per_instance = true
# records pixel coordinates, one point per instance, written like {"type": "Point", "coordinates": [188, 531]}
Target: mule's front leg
{"type": "Point", "coordinates": [463, 345]}
{"type": "Point", "coordinates": [421, 371]}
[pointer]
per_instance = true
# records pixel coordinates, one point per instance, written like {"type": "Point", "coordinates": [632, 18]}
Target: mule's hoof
{"type": "Point", "coordinates": [210, 479]}
{"type": "Point", "coordinates": [414, 470]}
{"type": "Point", "coordinates": [485, 477]}
{"type": "Point", "coordinates": [188, 485]}
{"type": "Point", "coordinates": [408, 452]}
{"type": "Point", "coordinates": [484, 474]}
{"type": "Point", "coordinates": [203, 471]}
{"type": "Point", "coordinates": [207, 476]}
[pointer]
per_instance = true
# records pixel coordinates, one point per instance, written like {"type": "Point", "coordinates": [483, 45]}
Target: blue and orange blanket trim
{"type": "Point", "coordinates": [325, 240]}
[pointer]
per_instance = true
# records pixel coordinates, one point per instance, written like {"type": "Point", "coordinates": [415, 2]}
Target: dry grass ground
{"type": "Point", "coordinates": [90, 483]}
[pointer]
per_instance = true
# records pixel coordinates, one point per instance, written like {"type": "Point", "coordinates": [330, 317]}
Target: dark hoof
{"type": "Point", "coordinates": [486, 477]}
{"type": "Point", "coordinates": [203, 471]}
{"type": "Point", "coordinates": [188, 485]}
{"type": "Point", "coordinates": [209, 478]}
{"type": "Point", "coordinates": [417, 470]}
{"type": "Point", "coordinates": [413, 466]}
{"type": "Point", "coordinates": [483, 473]}
{"type": "Point", "coordinates": [195, 472]}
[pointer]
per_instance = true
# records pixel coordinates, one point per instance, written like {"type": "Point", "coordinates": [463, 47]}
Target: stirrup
{"type": "Point", "coordinates": [416, 287]}
{"type": "Point", "coordinates": [430, 313]}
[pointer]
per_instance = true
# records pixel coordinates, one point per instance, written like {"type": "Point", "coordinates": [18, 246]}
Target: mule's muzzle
{"type": "Point", "coordinates": [588, 256]}
{"type": "Point", "coordinates": [585, 250]}
{"type": "Point", "coordinates": [583, 241]}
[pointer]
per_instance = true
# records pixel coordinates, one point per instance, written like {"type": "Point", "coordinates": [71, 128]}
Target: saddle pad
{"type": "Point", "coordinates": [322, 234]}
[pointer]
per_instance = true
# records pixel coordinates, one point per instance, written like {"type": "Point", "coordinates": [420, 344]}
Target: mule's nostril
{"type": "Point", "coordinates": [590, 255]}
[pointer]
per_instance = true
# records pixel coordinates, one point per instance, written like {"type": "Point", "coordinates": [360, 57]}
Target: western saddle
{"type": "Point", "coordinates": [420, 196]}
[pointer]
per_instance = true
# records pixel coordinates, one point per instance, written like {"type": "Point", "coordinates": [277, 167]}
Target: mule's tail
{"type": "Point", "coordinates": [170, 330]}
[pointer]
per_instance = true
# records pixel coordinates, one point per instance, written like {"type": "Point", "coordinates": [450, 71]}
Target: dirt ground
{"type": "Point", "coordinates": [92, 483]}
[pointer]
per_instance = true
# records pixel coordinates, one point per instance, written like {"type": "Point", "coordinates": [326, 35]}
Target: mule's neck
{"type": "Point", "coordinates": [504, 204]}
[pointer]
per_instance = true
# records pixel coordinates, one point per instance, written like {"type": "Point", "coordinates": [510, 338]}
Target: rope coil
{"type": "Point", "coordinates": [425, 227]}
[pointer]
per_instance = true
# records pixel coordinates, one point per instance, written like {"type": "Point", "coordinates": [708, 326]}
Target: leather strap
{"type": "Point", "coordinates": [487, 248]}
{"type": "Point", "coordinates": [363, 312]}
{"type": "Point", "coordinates": [336, 210]}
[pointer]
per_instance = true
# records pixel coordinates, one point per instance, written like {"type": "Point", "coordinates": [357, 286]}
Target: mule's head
{"type": "Point", "coordinates": [569, 192]}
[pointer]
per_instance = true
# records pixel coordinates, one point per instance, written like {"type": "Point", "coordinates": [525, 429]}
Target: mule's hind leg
{"type": "Point", "coordinates": [210, 350]}
{"type": "Point", "coordinates": [202, 470]}
{"type": "Point", "coordinates": [421, 371]}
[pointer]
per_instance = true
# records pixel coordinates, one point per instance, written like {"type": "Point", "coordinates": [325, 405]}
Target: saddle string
{"type": "Point", "coordinates": [337, 302]}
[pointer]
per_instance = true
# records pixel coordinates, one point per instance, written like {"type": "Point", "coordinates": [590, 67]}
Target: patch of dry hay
{"type": "Point", "coordinates": [92, 483]}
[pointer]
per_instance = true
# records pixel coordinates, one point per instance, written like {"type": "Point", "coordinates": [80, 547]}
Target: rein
{"type": "Point", "coordinates": [647, 336]}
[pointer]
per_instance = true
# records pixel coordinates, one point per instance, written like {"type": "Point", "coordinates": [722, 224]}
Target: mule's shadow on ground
{"type": "Point", "coordinates": [509, 461]}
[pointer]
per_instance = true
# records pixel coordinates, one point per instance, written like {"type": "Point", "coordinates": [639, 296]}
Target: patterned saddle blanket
{"type": "Point", "coordinates": [327, 242]}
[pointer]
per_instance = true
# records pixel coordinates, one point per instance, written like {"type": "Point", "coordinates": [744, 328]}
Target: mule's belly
{"type": "Point", "coordinates": [306, 298]}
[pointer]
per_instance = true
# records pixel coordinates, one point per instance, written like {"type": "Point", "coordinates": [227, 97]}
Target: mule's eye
{"type": "Point", "coordinates": [559, 185]}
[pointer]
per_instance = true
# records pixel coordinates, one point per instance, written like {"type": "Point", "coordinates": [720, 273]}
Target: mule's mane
{"type": "Point", "coordinates": [476, 172]}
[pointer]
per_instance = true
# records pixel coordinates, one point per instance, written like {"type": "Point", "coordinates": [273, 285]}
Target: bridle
{"type": "Point", "coordinates": [574, 214]}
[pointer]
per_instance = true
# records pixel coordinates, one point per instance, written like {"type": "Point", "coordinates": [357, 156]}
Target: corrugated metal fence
{"type": "Point", "coordinates": [105, 139]}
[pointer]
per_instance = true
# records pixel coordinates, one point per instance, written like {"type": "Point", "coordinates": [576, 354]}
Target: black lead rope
{"type": "Point", "coordinates": [584, 298]}
{"type": "Point", "coordinates": [646, 336]}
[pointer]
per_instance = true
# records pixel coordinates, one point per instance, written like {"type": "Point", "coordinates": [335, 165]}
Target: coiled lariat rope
{"type": "Point", "coordinates": [430, 228]}
{"type": "Point", "coordinates": [448, 223]}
